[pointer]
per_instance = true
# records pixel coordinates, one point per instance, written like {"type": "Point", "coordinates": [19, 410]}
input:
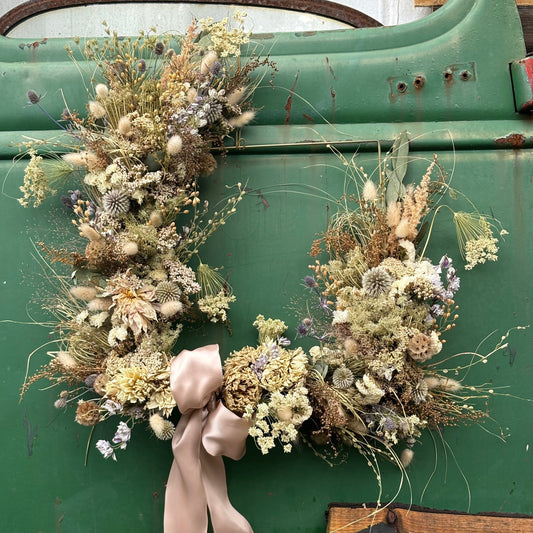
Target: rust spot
{"type": "Point", "coordinates": [333, 93]}
{"type": "Point", "coordinates": [308, 117]}
{"type": "Point", "coordinates": [34, 44]}
{"type": "Point", "coordinates": [288, 105]}
{"type": "Point", "coordinates": [330, 69]}
{"type": "Point", "coordinates": [305, 33]}
{"type": "Point", "coordinates": [514, 140]}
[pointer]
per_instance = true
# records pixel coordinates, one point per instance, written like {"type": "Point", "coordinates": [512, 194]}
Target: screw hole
{"type": "Point", "coordinates": [465, 75]}
{"type": "Point", "coordinates": [448, 75]}
{"type": "Point", "coordinates": [419, 82]}
{"type": "Point", "coordinates": [402, 87]}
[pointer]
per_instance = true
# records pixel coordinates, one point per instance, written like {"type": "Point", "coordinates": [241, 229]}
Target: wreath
{"type": "Point", "coordinates": [377, 310]}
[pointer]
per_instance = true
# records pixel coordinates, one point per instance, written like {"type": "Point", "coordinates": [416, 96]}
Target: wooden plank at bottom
{"type": "Point", "coordinates": [398, 518]}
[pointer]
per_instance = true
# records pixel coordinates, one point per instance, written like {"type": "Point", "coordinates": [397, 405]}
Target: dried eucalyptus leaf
{"type": "Point", "coordinates": [400, 152]}
{"type": "Point", "coordinates": [321, 367]}
{"type": "Point", "coordinates": [393, 188]}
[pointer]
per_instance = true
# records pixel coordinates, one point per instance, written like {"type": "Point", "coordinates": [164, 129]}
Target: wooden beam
{"type": "Point", "coordinates": [355, 518]}
{"type": "Point", "coordinates": [429, 3]}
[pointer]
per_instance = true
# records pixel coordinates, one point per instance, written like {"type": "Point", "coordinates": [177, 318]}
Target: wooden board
{"type": "Point", "coordinates": [398, 518]}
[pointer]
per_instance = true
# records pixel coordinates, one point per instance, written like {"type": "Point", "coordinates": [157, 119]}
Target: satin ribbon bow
{"type": "Point", "coordinates": [205, 432]}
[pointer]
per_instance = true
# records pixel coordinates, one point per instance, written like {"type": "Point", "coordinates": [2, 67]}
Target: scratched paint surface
{"type": "Point", "coordinates": [264, 249]}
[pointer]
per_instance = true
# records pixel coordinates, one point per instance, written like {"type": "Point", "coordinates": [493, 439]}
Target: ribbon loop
{"type": "Point", "coordinates": [197, 478]}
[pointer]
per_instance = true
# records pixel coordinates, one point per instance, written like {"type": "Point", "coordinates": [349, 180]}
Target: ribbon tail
{"type": "Point", "coordinates": [185, 498]}
{"type": "Point", "coordinates": [224, 517]}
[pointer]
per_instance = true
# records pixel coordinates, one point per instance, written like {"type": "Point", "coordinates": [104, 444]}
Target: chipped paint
{"type": "Point", "coordinates": [288, 105]}
{"type": "Point", "coordinates": [513, 140]}
{"type": "Point", "coordinates": [330, 68]}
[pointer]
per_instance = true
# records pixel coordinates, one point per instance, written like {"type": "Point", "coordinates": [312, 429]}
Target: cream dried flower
{"type": "Point", "coordinates": [130, 385]}
{"type": "Point", "coordinates": [216, 305]}
{"type": "Point", "coordinates": [369, 390]}
{"type": "Point", "coordinates": [132, 302]}
{"type": "Point", "coordinates": [286, 370]}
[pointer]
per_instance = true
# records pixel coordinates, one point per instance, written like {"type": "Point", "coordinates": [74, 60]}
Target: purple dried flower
{"type": "Point", "coordinates": [388, 424]}
{"type": "Point", "coordinates": [445, 262]}
{"type": "Point", "coordinates": [436, 310]}
{"type": "Point", "coordinates": [259, 365]}
{"type": "Point", "coordinates": [283, 341]}
{"type": "Point", "coordinates": [310, 281]}
{"type": "Point", "coordinates": [302, 330]}
{"type": "Point", "coordinates": [216, 68]}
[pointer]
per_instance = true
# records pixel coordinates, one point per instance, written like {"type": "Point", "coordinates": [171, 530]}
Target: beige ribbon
{"type": "Point", "coordinates": [205, 432]}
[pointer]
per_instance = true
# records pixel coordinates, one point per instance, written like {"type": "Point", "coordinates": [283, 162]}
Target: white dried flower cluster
{"type": "Point", "coordinates": [215, 306]}
{"type": "Point", "coordinates": [477, 251]}
{"type": "Point", "coordinates": [278, 419]}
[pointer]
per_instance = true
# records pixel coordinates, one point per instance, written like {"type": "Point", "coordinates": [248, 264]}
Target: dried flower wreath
{"type": "Point", "coordinates": [380, 308]}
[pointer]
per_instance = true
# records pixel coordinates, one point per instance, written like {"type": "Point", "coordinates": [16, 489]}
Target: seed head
{"type": "Point", "coordinates": [236, 96]}
{"type": "Point", "coordinates": [130, 248]}
{"type": "Point", "coordinates": [376, 281]}
{"type": "Point", "coordinates": [60, 403]}
{"type": "Point", "coordinates": [242, 120]}
{"type": "Point", "coordinates": [169, 309]}
{"type": "Point", "coordinates": [101, 90]}
{"type": "Point", "coordinates": [33, 97]}
{"type": "Point", "coordinates": [90, 233]}
{"type": "Point", "coordinates": [163, 429]}
{"type": "Point", "coordinates": [207, 61]}
{"type": "Point", "coordinates": [406, 457]}
{"type": "Point", "coordinates": [87, 413]}
{"type": "Point", "coordinates": [100, 304]}
{"type": "Point", "coordinates": [84, 293]}
{"type": "Point", "coordinates": [115, 202]}
{"type": "Point", "coordinates": [174, 145]}
{"type": "Point", "coordinates": [402, 229]}
{"type": "Point", "coordinates": [124, 126]}
{"type": "Point", "coordinates": [66, 360]}
{"type": "Point", "coordinates": [166, 291]}
{"type": "Point", "coordinates": [96, 109]}
{"type": "Point", "coordinates": [342, 377]}
{"type": "Point", "coordinates": [370, 193]}
{"type": "Point", "coordinates": [156, 218]}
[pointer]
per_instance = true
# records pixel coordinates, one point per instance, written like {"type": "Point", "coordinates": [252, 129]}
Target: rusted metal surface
{"type": "Point", "coordinates": [324, 8]}
{"type": "Point", "coordinates": [513, 140]}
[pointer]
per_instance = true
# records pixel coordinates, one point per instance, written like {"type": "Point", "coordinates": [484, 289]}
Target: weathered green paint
{"type": "Point", "coordinates": [472, 125]}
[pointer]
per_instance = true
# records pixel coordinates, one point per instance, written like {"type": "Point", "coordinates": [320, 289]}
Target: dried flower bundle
{"type": "Point", "coordinates": [378, 311]}
{"type": "Point", "coordinates": [153, 118]}
{"type": "Point", "coordinates": [266, 384]}
{"type": "Point", "coordinates": [383, 311]}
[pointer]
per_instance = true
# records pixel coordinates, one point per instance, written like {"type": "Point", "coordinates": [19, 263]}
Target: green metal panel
{"type": "Point", "coordinates": [349, 78]}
